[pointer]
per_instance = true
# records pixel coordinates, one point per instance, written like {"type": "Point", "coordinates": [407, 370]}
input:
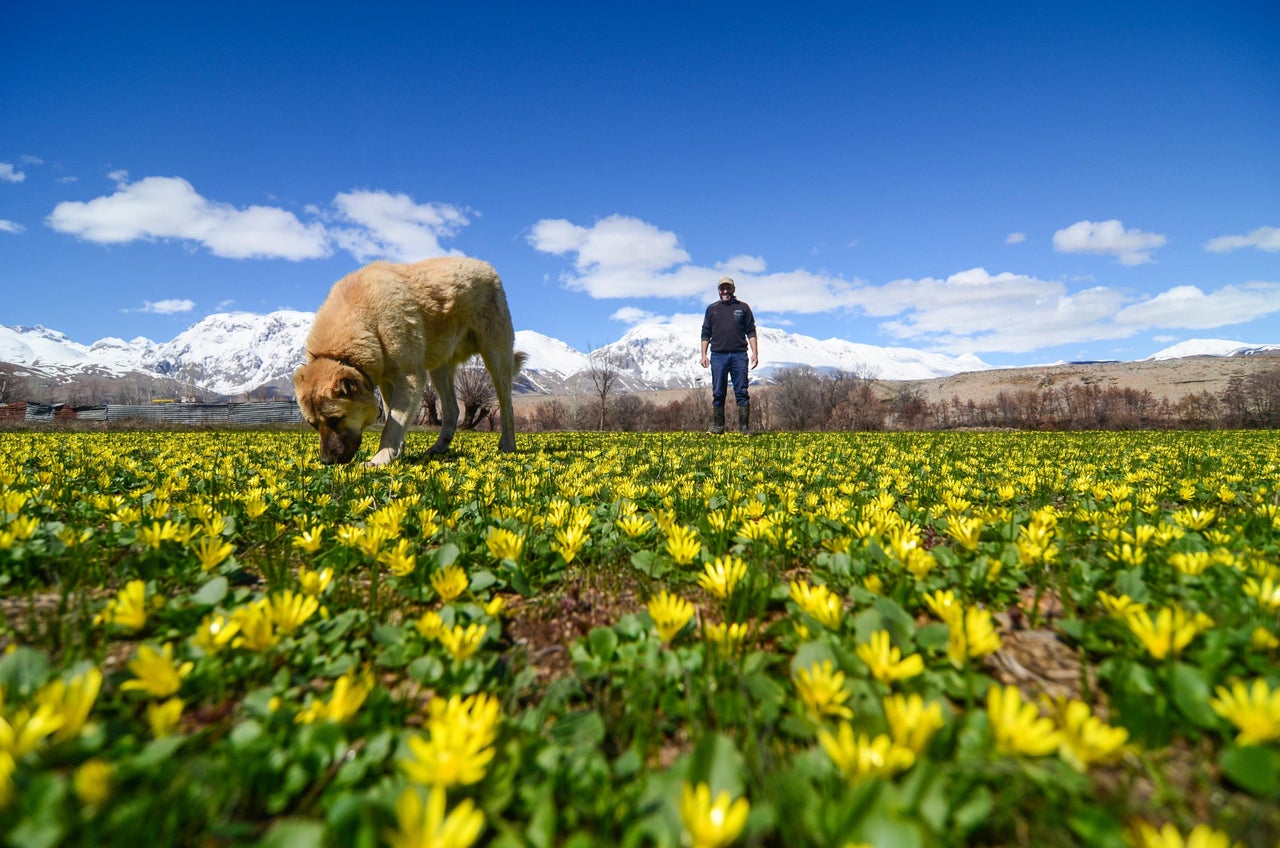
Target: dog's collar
{"type": "Point", "coordinates": [342, 360]}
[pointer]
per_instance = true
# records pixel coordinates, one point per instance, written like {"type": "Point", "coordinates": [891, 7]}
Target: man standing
{"type": "Point", "coordinates": [729, 329]}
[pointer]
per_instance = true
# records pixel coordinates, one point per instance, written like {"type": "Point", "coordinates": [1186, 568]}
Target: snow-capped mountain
{"type": "Point", "coordinates": [1210, 347]}
{"type": "Point", "coordinates": [233, 354]}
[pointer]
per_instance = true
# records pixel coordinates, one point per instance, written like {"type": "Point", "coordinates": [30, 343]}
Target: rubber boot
{"type": "Point", "coordinates": [744, 420]}
{"type": "Point", "coordinates": [717, 420]}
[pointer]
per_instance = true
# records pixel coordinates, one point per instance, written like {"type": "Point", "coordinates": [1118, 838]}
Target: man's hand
{"type": "Point", "coordinates": [706, 361]}
{"type": "Point", "coordinates": [755, 360]}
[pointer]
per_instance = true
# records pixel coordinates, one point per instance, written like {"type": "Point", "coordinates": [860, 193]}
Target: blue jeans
{"type": "Point", "coordinates": [725, 367]}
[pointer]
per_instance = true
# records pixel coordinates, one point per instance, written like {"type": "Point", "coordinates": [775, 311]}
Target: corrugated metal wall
{"type": "Point", "coordinates": [193, 414]}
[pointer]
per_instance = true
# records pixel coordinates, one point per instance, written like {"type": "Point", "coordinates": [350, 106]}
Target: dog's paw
{"type": "Point", "coordinates": [382, 457]}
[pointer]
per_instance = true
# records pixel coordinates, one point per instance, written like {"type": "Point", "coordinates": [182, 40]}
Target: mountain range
{"type": "Point", "coordinates": [234, 354]}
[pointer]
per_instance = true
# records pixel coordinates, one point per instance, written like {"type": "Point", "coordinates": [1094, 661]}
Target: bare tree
{"type": "Point", "coordinates": [604, 371]}
{"type": "Point", "coordinates": [429, 413]}
{"type": "Point", "coordinates": [475, 392]}
{"type": "Point", "coordinates": [795, 400]}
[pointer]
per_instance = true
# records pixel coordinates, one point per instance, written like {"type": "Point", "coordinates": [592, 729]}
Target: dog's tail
{"type": "Point", "coordinates": [521, 358]}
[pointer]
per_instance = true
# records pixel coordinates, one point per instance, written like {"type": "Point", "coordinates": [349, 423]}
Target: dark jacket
{"type": "Point", "coordinates": [727, 326]}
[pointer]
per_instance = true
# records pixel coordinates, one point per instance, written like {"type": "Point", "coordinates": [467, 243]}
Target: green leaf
{"type": "Point", "coordinates": [1191, 690]}
{"type": "Point", "coordinates": [211, 593]}
{"type": "Point", "coordinates": [716, 762]}
{"type": "Point", "coordinates": [603, 642]}
{"type": "Point", "coordinates": [1254, 768]}
{"type": "Point", "coordinates": [294, 833]}
{"type": "Point", "coordinates": [23, 671]}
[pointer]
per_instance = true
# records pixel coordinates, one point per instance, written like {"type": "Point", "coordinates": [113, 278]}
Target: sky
{"type": "Point", "coordinates": [1025, 182]}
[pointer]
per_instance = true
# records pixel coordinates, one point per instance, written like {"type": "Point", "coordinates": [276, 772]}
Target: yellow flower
{"type": "Point", "coordinates": [462, 642]}
{"type": "Point", "coordinates": [25, 731]}
{"type": "Point", "coordinates": [722, 575]}
{"type": "Point", "coordinates": [421, 825]}
{"type": "Point", "coordinates": [398, 560]}
{"type": "Point", "coordinates": [71, 701]}
{"type": "Point", "coordinates": [944, 605]}
{"type": "Point", "coordinates": [1190, 564]}
{"type": "Point", "coordinates": [288, 610]}
{"type": "Point", "coordinates": [1195, 519]}
{"type": "Point", "coordinates": [310, 540]}
{"type": "Point", "coordinates": [1087, 740]}
{"type": "Point", "coordinates": [683, 544]}
{"type": "Point", "coordinates": [634, 526]}
{"type": "Point", "coordinates": [860, 756]}
{"type": "Point", "coordinates": [912, 722]}
{"type": "Point", "coordinates": [155, 672]}
{"type": "Point", "coordinates": [670, 613]}
{"type": "Point", "coordinates": [215, 633]}
{"type": "Point", "coordinates": [349, 694]}
{"type": "Point", "coordinates": [1262, 640]}
{"type": "Point", "coordinates": [885, 660]}
{"type": "Point", "coordinates": [726, 637]}
{"type": "Point", "coordinates": [163, 717]}
{"type": "Point", "coordinates": [819, 602]}
{"type": "Point", "coordinates": [1201, 836]}
{"type": "Point", "coordinates": [1117, 607]}
{"type": "Point", "coordinates": [128, 609]}
{"type": "Point", "coordinates": [7, 768]}
{"type": "Point", "coordinates": [158, 533]}
{"type": "Point", "coordinates": [210, 552]}
{"type": "Point", "coordinates": [711, 824]}
{"type": "Point", "coordinates": [503, 543]}
{"type": "Point", "coordinates": [458, 746]}
{"type": "Point", "coordinates": [257, 631]}
{"type": "Point", "coordinates": [314, 582]}
{"type": "Point", "coordinates": [495, 606]}
{"type": "Point", "coordinates": [1018, 726]}
{"type": "Point", "coordinates": [92, 782]}
{"type": "Point", "coordinates": [1254, 710]}
{"type": "Point", "coordinates": [450, 582]}
{"type": "Point", "coordinates": [971, 635]}
{"type": "Point", "coordinates": [1170, 632]}
{"type": "Point", "coordinates": [1266, 591]}
{"type": "Point", "coordinates": [430, 625]}
{"type": "Point", "coordinates": [821, 688]}
{"type": "Point", "coordinates": [965, 531]}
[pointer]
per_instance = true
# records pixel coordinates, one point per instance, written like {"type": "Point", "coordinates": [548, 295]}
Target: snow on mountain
{"type": "Point", "coordinates": [664, 355]}
{"type": "Point", "coordinates": [1209, 347]}
{"type": "Point", "coordinates": [234, 353]}
{"type": "Point", "coordinates": [549, 355]}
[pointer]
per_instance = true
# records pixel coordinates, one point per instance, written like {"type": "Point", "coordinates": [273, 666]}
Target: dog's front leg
{"type": "Point", "coordinates": [406, 396]}
{"type": "Point", "coordinates": [442, 382]}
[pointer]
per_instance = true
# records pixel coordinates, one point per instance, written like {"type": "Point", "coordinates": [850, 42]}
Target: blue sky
{"type": "Point", "coordinates": [1026, 182]}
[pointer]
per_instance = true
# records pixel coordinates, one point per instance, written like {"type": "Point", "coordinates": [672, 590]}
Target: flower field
{"type": "Point", "coordinates": [832, 639]}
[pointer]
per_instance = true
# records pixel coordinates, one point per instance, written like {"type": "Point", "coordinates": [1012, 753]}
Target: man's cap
{"type": "Point", "coordinates": [725, 283]}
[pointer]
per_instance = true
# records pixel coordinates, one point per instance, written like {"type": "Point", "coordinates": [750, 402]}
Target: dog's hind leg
{"type": "Point", "coordinates": [442, 381]}
{"type": "Point", "coordinates": [406, 397]}
{"type": "Point", "coordinates": [502, 365]}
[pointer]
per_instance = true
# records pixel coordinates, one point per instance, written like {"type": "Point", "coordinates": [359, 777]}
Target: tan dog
{"type": "Point", "coordinates": [388, 326]}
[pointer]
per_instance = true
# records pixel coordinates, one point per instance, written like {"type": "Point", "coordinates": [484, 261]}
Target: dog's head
{"type": "Point", "coordinates": [337, 400]}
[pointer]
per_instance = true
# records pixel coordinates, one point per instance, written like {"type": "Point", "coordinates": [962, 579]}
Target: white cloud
{"type": "Point", "coordinates": [1263, 238]}
{"type": "Point", "coordinates": [170, 208]}
{"type": "Point", "coordinates": [621, 256]}
{"type": "Point", "coordinates": [1109, 238]}
{"type": "Point", "coordinates": [167, 307]}
{"type": "Point", "coordinates": [634, 315]}
{"type": "Point", "coordinates": [9, 174]}
{"type": "Point", "coordinates": [392, 226]}
{"type": "Point", "coordinates": [10, 226]}
{"type": "Point", "coordinates": [1187, 307]}
{"type": "Point", "coordinates": [368, 224]}
{"type": "Point", "coordinates": [975, 311]}
{"type": "Point", "coordinates": [1015, 238]}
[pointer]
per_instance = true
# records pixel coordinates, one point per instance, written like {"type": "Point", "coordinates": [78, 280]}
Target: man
{"type": "Point", "coordinates": [729, 330]}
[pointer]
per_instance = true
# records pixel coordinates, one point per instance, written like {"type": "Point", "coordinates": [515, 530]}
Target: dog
{"type": "Point", "coordinates": [387, 326]}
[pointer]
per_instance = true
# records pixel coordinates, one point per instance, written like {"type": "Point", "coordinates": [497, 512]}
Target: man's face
{"type": "Point", "coordinates": [726, 293]}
